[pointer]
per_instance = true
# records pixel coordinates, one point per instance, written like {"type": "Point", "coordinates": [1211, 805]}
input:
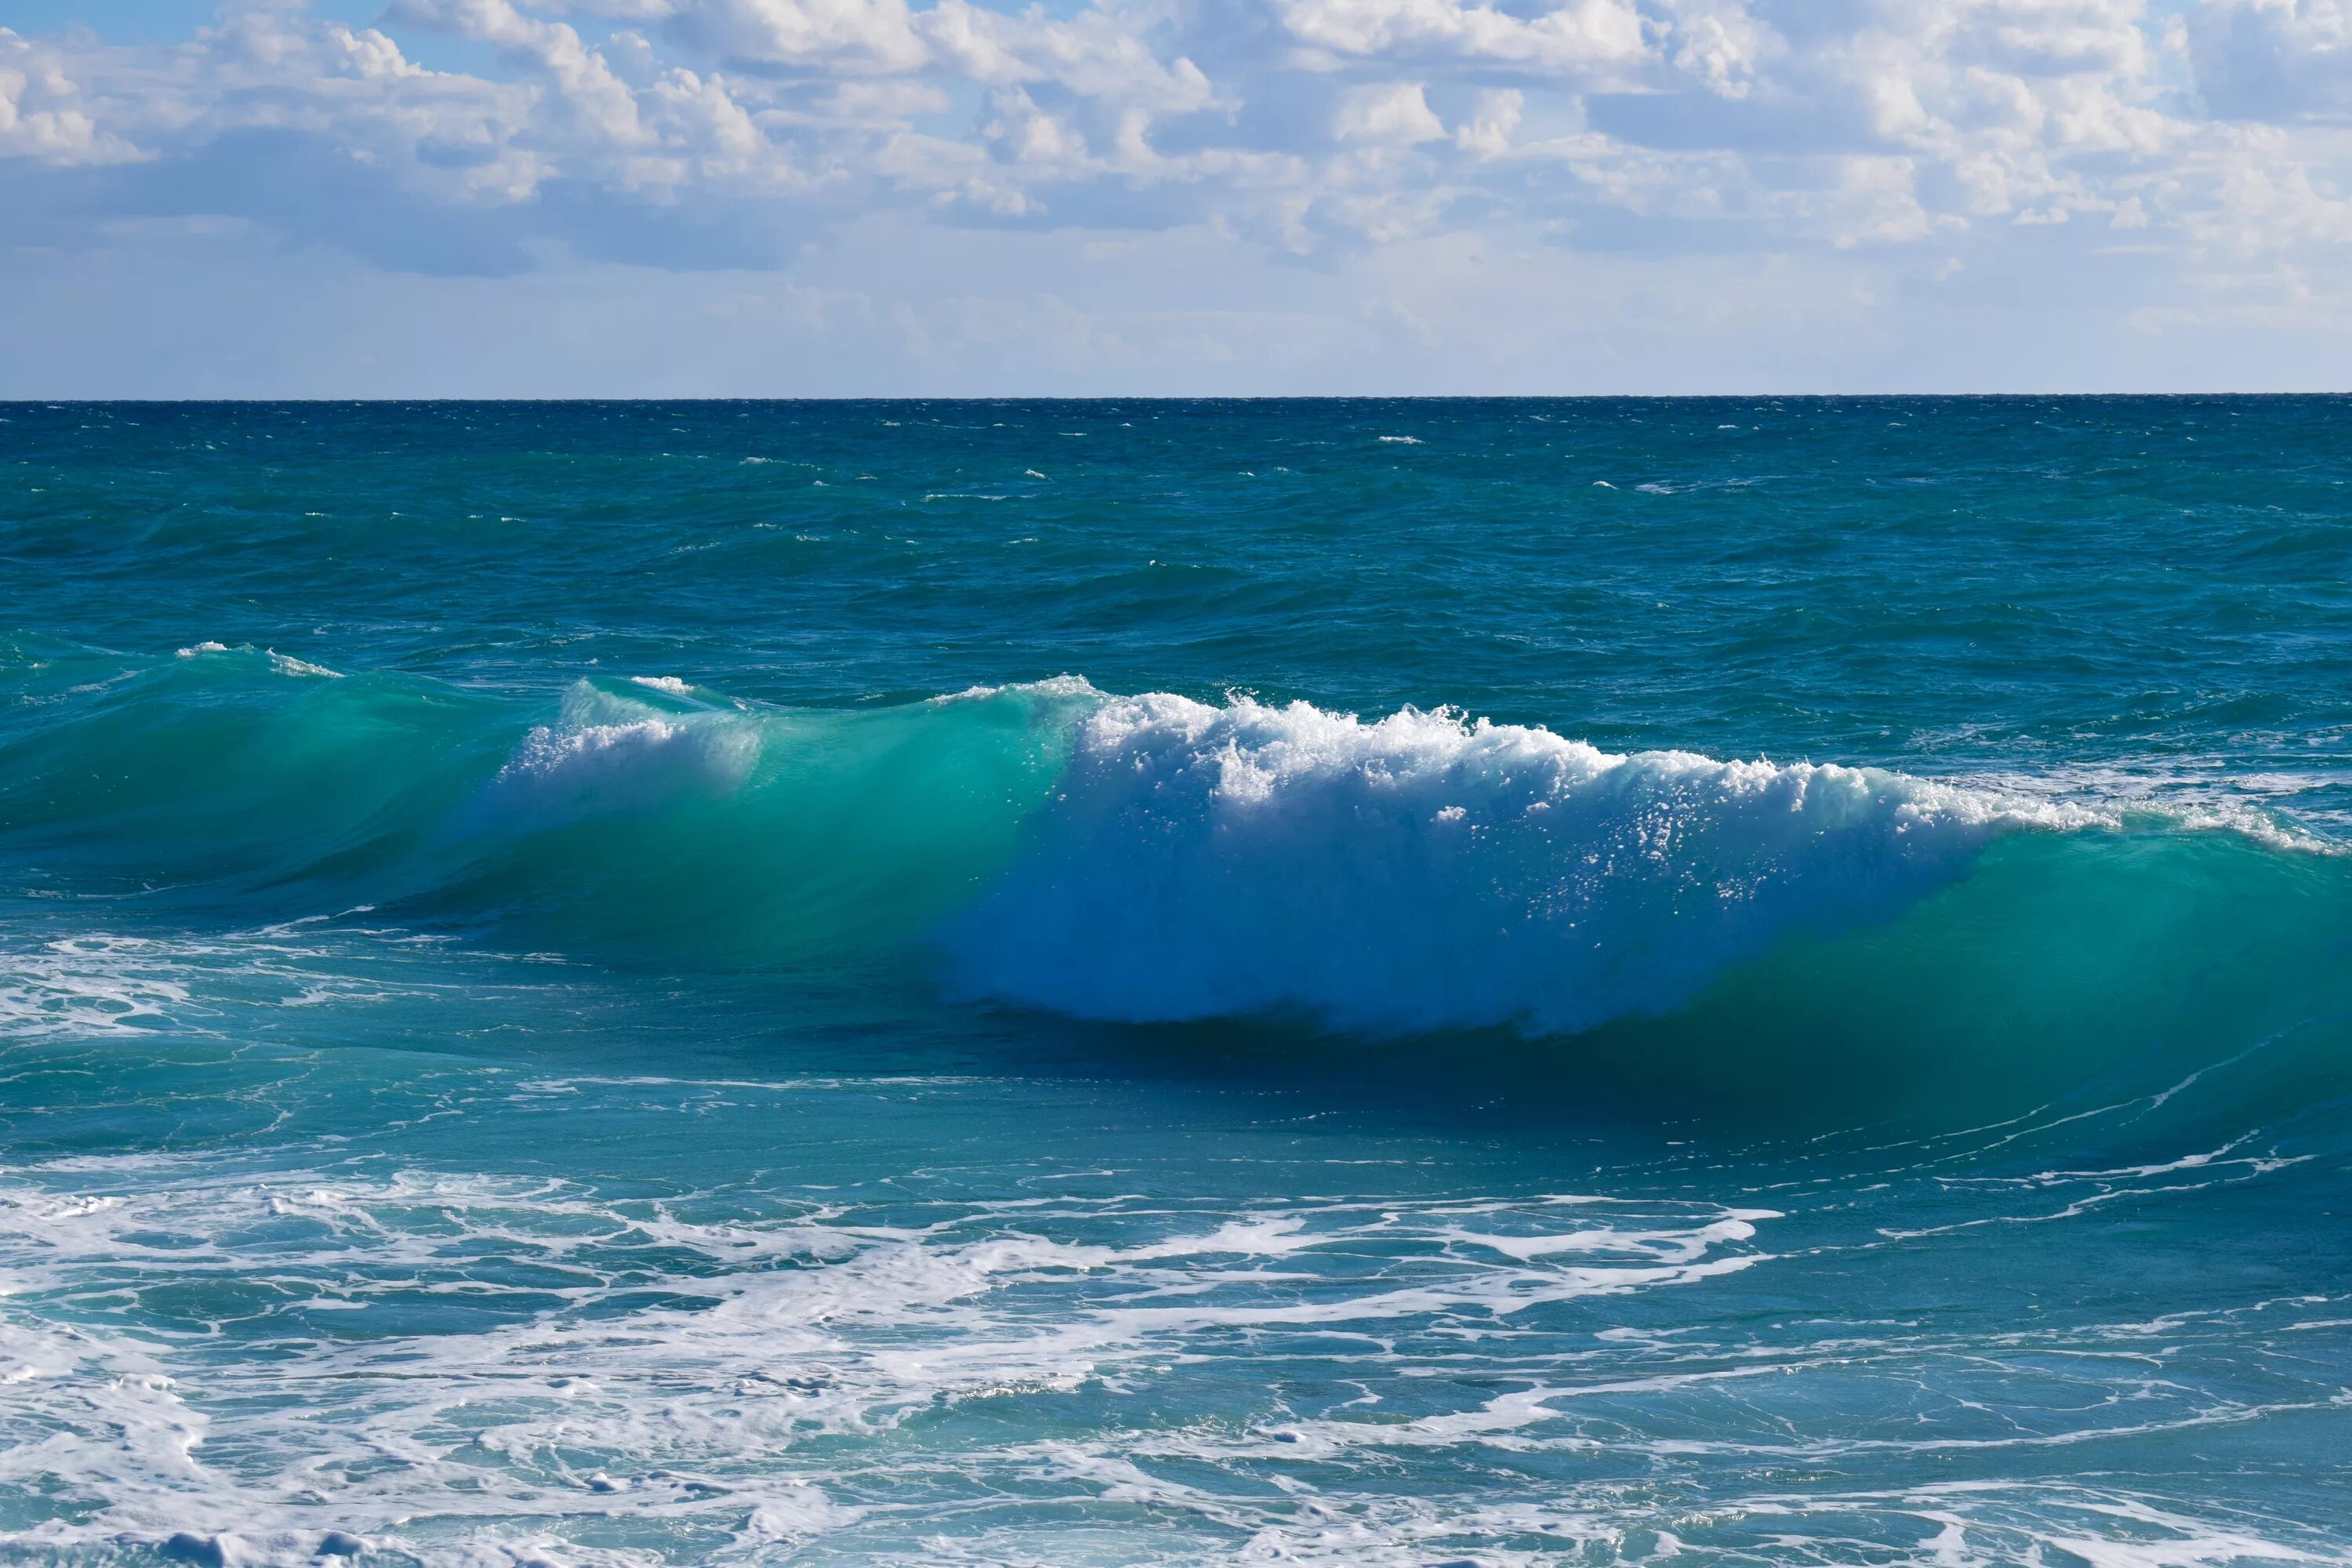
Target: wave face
{"type": "Point", "coordinates": [1424, 871]}
{"type": "Point", "coordinates": [651, 821]}
{"type": "Point", "coordinates": [1154, 858]}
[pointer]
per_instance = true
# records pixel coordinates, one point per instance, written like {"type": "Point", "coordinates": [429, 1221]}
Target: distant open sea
{"type": "Point", "coordinates": [1376, 984]}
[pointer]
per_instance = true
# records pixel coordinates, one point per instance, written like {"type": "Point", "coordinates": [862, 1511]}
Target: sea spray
{"type": "Point", "coordinates": [1424, 870]}
{"type": "Point", "coordinates": [1142, 858]}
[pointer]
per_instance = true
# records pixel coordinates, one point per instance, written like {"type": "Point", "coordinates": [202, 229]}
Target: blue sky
{"type": "Point", "coordinates": [785, 197]}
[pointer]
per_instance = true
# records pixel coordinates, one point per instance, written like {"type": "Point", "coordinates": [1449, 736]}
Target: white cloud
{"type": "Point", "coordinates": [1487, 131]}
{"type": "Point", "coordinates": [862, 34]}
{"type": "Point", "coordinates": [1572, 35]}
{"type": "Point", "coordinates": [2274, 59]}
{"type": "Point", "coordinates": [691, 134]}
{"type": "Point", "coordinates": [1718, 42]}
{"type": "Point", "coordinates": [41, 112]}
{"type": "Point", "coordinates": [1395, 115]}
{"type": "Point", "coordinates": [581, 97]}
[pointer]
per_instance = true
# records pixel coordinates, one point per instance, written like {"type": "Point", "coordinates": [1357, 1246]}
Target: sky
{"type": "Point", "coordinates": [1259, 197]}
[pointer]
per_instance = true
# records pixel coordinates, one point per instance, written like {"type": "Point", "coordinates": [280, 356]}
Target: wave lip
{"type": "Point", "coordinates": [1426, 871]}
{"type": "Point", "coordinates": [609, 754]}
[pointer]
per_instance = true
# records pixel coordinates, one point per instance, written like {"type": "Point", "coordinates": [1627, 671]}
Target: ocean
{"type": "Point", "coordinates": [1383, 984]}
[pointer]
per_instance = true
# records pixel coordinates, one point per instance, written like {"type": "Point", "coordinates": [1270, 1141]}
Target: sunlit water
{"type": "Point", "coordinates": [1071, 984]}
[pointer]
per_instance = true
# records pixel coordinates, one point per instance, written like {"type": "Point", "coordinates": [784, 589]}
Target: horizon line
{"type": "Point", "coordinates": [12, 401]}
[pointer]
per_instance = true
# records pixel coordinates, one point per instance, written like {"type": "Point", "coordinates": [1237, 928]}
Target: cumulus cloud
{"type": "Point", "coordinates": [1488, 130]}
{"type": "Point", "coordinates": [2274, 59]}
{"type": "Point", "coordinates": [700, 133]}
{"type": "Point", "coordinates": [41, 112]}
{"type": "Point", "coordinates": [1396, 114]}
{"type": "Point", "coordinates": [1572, 36]}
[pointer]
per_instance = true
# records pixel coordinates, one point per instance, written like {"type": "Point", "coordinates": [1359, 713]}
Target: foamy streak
{"type": "Point", "coordinates": [715, 1376]}
{"type": "Point", "coordinates": [100, 985]}
{"type": "Point", "coordinates": [610, 754]}
{"type": "Point", "coordinates": [1425, 871]}
{"type": "Point", "coordinates": [688, 1396]}
{"type": "Point", "coordinates": [282, 663]}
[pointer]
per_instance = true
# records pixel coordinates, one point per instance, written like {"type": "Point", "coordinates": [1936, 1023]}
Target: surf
{"type": "Point", "coordinates": [1157, 860]}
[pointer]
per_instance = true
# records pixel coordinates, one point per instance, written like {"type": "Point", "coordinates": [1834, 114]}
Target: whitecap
{"type": "Point", "coordinates": [1425, 871]}
{"type": "Point", "coordinates": [610, 755]}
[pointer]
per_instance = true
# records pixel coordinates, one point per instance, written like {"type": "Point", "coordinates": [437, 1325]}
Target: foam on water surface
{"type": "Point", "coordinates": [1423, 870]}
{"type": "Point", "coordinates": [558, 1365]}
{"type": "Point", "coordinates": [584, 984]}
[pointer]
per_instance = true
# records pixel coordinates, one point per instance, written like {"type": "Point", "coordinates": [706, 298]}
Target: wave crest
{"type": "Point", "coordinates": [1425, 871]}
{"type": "Point", "coordinates": [610, 755]}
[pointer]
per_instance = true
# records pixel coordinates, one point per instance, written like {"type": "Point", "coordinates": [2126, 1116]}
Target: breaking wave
{"type": "Point", "coordinates": [1425, 871]}
{"type": "Point", "coordinates": [1154, 858]}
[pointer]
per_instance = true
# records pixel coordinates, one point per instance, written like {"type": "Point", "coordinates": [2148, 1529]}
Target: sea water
{"type": "Point", "coordinates": [1352, 982]}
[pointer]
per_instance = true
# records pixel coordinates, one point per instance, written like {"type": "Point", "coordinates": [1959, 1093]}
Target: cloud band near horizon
{"type": "Point", "coordinates": [1238, 196]}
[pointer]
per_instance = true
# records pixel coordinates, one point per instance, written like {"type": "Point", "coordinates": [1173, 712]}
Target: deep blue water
{"type": "Point", "coordinates": [1348, 983]}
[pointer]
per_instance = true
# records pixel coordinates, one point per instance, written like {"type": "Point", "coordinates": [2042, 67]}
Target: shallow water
{"type": "Point", "coordinates": [1749, 981]}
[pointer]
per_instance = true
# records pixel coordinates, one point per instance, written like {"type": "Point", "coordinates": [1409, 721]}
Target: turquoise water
{"type": "Point", "coordinates": [1357, 983]}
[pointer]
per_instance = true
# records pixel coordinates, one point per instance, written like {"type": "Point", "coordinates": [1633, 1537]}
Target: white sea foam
{"type": "Point", "coordinates": [2193, 795]}
{"type": "Point", "coordinates": [104, 983]}
{"type": "Point", "coordinates": [736, 1377]}
{"type": "Point", "coordinates": [86, 985]}
{"type": "Point", "coordinates": [692, 1372]}
{"type": "Point", "coordinates": [1425, 871]}
{"type": "Point", "coordinates": [609, 754]}
{"type": "Point", "coordinates": [285, 664]}
{"type": "Point", "coordinates": [282, 664]}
